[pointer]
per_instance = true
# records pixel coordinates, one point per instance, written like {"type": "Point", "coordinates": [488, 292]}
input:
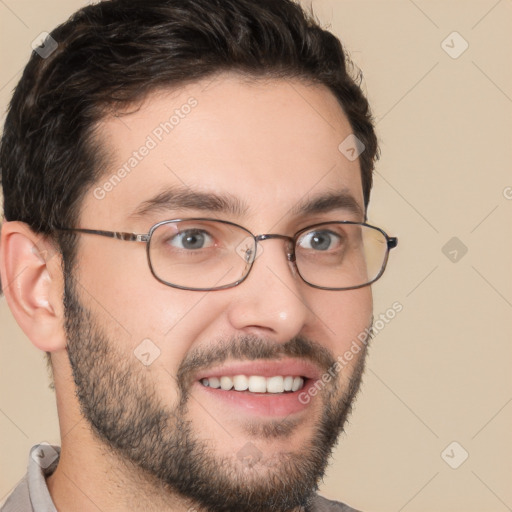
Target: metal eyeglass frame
{"type": "Point", "coordinates": [392, 242]}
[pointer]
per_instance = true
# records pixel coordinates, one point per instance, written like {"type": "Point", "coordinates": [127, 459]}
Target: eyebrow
{"type": "Point", "coordinates": [181, 198]}
{"type": "Point", "coordinates": [324, 203]}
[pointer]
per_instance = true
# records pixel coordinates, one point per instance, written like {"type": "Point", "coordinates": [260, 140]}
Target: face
{"type": "Point", "coordinates": [146, 357]}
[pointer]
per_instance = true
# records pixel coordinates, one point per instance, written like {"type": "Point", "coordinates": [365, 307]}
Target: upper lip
{"type": "Point", "coordinates": [264, 368]}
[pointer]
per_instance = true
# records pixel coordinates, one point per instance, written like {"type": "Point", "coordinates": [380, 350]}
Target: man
{"type": "Point", "coordinates": [186, 185]}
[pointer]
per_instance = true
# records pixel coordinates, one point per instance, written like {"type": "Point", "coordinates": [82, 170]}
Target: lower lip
{"type": "Point", "coordinates": [263, 404]}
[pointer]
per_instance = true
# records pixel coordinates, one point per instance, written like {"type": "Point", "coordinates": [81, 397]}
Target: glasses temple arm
{"type": "Point", "coordinates": [118, 235]}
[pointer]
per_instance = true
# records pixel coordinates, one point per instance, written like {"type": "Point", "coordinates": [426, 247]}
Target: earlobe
{"type": "Point", "coordinates": [33, 284]}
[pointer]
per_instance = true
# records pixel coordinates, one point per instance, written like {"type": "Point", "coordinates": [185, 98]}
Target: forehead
{"type": "Point", "coordinates": [267, 143]}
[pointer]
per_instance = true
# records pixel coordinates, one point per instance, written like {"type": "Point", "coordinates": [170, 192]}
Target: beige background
{"type": "Point", "coordinates": [440, 371]}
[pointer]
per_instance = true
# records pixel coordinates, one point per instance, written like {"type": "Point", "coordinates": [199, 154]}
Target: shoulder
{"type": "Point", "coordinates": [321, 504]}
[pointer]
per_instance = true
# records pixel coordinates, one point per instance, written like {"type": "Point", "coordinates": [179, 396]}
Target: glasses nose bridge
{"type": "Point", "coordinates": [290, 249]}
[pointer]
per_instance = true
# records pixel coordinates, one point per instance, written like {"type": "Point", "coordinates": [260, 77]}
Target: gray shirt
{"type": "Point", "coordinates": [32, 495]}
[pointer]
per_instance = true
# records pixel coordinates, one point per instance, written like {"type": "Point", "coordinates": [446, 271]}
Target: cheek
{"type": "Point", "coordinates": [122, 289]}
{"type": "Point", "coordinates": [164, 322]}
{"type": "Point", "coordinates": [344, 316]}
{"type": "Point", "coordinates": [173, 319]}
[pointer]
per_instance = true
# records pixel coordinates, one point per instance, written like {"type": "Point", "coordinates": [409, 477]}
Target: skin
{"type": "Point", "coordinates": [270, 144]}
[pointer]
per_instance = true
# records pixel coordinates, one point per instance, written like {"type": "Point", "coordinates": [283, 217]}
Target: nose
{"type": "Point", "coordinates": [272, 301]}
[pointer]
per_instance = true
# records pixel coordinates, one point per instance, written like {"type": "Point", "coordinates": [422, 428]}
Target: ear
{"type": "Point", "coordinates": [32, 280]}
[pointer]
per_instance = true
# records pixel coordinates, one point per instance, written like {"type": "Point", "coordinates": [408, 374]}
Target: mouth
{"type": "Point", "coordinates": [265, 387]}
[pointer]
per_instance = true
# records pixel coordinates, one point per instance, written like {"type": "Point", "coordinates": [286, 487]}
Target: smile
{"type": "Point", "coordinates": [256, 383]}
{"type": "Point", "coordinates": [260, 388]}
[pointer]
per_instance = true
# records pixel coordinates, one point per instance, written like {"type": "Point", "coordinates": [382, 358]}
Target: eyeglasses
{"type": "Point", "coordinates": [209, 254]}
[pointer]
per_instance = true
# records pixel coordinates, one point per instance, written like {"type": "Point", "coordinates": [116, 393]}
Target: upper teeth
{"type": "Point", "coordinates": [255, 383]}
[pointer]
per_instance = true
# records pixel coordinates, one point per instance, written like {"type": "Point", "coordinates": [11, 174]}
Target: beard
{"type": "Point", "coordinates": [161, 445]}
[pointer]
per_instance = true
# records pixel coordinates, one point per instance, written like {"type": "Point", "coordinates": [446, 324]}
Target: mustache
{"type": "Point", "coordinates": [252, 348]}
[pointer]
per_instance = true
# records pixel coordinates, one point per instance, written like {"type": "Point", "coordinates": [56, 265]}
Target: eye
{"type": "Point", "coordinates": [320, 240]}
{"type": "Point", "coordinates": [192, 239]}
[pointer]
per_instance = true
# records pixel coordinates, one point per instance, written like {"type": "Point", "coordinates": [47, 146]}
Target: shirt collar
{"type": "Point", "coordinates": [42, 462]}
